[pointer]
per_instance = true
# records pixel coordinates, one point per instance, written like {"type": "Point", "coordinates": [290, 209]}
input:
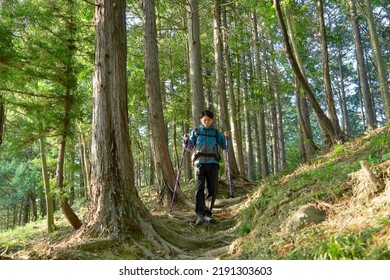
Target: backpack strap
{"type": "Point", "coordinates": [201, 154]}
{"type": "Point", "coordinates": [203, 134]}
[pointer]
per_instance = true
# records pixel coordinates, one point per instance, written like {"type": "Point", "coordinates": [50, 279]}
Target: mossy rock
{"type": "Point", "coordinates": [304, 216]}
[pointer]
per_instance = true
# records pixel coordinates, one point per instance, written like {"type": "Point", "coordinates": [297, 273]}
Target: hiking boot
{"type": "Point", "coordinates": [209, 220]}
{"type": "Point", "coordinates": [199, 220]}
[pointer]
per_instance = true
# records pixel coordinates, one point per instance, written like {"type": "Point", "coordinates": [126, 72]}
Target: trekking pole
{"type": "Point", "coordinates": [177, 177]}
{"type": "Point", "coordinates": [228, 166]}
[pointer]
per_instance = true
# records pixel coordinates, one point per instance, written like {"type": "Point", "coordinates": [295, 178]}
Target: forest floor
{"type": "Point", "coordinates": [346, 187]}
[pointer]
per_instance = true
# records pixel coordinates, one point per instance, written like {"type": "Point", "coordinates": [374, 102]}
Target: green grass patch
{"type": "Point", "coordinates": [326, 178]}
{"type": "Point", "coordinates": [314, 244]}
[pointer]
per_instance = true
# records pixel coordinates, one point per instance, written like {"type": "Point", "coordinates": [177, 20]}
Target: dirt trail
{"type": "Point", "coordinates": [223, 231]}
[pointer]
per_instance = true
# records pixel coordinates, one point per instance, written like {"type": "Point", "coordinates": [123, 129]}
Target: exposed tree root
{"type": "Point", "coordinates": [215, 253]}
{"type": "Point", "coordinates": [229, 201]}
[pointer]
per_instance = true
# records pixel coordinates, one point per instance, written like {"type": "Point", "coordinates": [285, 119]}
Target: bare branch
{"type": "Point", "coordinates": [93, 4]}
{"type": "Point", "coordinates": [30, 93]}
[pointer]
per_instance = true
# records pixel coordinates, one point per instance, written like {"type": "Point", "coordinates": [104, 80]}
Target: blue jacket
{"type": "Point", "coordinates": [204, 143]}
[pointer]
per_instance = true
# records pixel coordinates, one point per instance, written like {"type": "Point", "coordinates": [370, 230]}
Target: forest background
{"type": "Point", "coordinates": [287, 78]}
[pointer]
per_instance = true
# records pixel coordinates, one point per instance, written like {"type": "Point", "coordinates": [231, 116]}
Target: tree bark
{"type": "Point", "coordinates": [66, 208]}
{"type": "Point", "coordinates": [326, 70]}
{"type": "Point", "coordinates": [25, 210]}
{"type": "Point", "coordinates": [383, 81]}
{"type": "Point", "coordinates": [114, 198]}
{"type": "Point", "coordinates": [342, 98]}
{"type": "Point", "coordinates": [33, 202]}
{"type": "Point", "coordinates": [232, 100]}
{"type": "Point", "coordinates": [257, 146]}
{"type": "Point", "coordinates": [238, 144]}
{"type": "Point", "coordinates": [362, 69]}
{"type": "Point", "coordinates": [195, 59]}
{"type": "Point", "coordinates": [220, 82]}
{"type": "Point", "coordinates": [247, 123]}
{"type": "Point", "coordinates": [187, 157]}
{"type": "Point", "coordinates": [2, 118]}
{"type": "Point", "coordinates": [261, 114]}
{"type": "Point", "coordinates": [46, 183]}
{"type": "Point", "coordinates": [308, 148]}
{"type": "Point", "coordinates": [86, 166]}
{"type": "Point", "coordinates": [163, 167]}
{"type": "Point", "coordinates": [275, 91]}
{"type": "Point", "coordinates": [70, 84]}
{"type": "Point", "coordinates": [273, 135]}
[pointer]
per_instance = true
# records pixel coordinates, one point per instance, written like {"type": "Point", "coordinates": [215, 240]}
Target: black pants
{"type": "Point", "coordinates": [205, 175]}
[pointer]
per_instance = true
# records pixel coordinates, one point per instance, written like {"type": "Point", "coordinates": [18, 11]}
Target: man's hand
{"type": "Point", "coordinates": [185, 138]}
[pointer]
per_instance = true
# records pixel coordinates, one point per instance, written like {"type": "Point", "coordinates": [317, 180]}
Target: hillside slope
{"type": "Point", "coordinates": [335, 207]}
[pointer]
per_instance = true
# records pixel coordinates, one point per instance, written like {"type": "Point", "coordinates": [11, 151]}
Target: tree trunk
{"type": "Point", "coordinates": [209, 90]}
{"type": "Point", "coordinates": [15, 216]}
{"type": "Point", "coordinates": [2, 118]}
{"type": "Point", "coordinates": [71, 179]}
{"type": "Point", "coordinates": [308, 146]}
{"type": "Point", "coordinates": [342, 98]}
{"type": "Point", "coordinates": [220, 83]}
{"type": "Point", "coordinates": [273, 122]}
{"type": "Point", "coordinates": [238, 144]}
{"type": "Point", "coordinates": [383, 81]}
{"type": "Point", "coordinates": [46, 183]}
{"type": "Point", "coordinates": [25, 209]}
{"type": "Point", "coordinates": [232, 100]}
{"type": "Point", "coordinates": [326, 70]}
{"type": "Point", "coordinates": [33, 202]}
{"type": "Point", "coordinates": [152, 177]}
{"type": "Point", "coordinates": [361, 103]}
{"type": "Point", "coordinates": [273, 131]}
{"type": "Point", "coordinates": [247, 123]}
{"type": "Point", "coordinates": [70, 87]}
{"type": "Point", "coordinates": [302, 147]}
{"type": "Point", "coordinates": [66, 209]}
{"type": "Point", "coordinates": [362, 70]}
{"type": "Point", "coordinates": [257, 146]}
{"type": "Point", "coordinates": [275, 88]}
{"type": "Point", "coordinates": [114, 198]}
{"type": "Point", "coordinates": [158, 134]}
{"type": "Point", "coordinates": [261, 115]}
{"type": "Point", "coordinates": [195, 60]}
{"type": "Point", "coordinates": [281, 141]}
{"type": "Point", "coordinates": [187, 158]}
{"type": "Point", "coordinates": [330, 133]}
{"type": "Point", "coordinates": [86, 170]}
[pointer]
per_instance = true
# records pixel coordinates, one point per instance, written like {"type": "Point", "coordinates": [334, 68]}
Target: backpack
{"type": "Point", "coordinates": [202, 154]}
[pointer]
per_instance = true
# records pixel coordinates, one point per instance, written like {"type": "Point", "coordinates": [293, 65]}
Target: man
{"type": "Point", "coordinates": [205, 141]}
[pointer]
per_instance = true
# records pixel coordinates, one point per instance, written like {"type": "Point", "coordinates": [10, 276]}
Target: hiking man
{"type": "Point", "coordinates": [205, 141]}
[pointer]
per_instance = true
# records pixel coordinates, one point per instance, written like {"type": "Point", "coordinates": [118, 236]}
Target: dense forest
{"type": "Point", "coordinates": [95, 98]}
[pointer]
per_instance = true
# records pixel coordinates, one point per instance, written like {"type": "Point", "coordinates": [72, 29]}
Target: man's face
{"type": "Point", "coordinates": [206, 121]}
